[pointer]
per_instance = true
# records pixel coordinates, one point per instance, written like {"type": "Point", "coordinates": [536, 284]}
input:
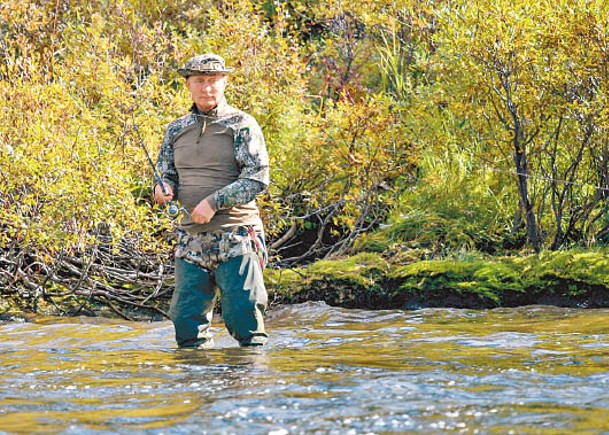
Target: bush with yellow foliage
{"type": "Point", "coordinates": [487, 118]}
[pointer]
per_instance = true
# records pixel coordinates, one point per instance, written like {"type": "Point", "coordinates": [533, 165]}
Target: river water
{"type": "Point", "coordinates": [326, 370]}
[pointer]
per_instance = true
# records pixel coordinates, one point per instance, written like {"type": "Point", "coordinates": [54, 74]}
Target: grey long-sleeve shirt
{"type": "Point", "coordinates": [220, 156]}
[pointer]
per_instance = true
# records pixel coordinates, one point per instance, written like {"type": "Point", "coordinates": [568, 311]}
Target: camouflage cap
{"type": "Point", "coordinates": [207, 63]}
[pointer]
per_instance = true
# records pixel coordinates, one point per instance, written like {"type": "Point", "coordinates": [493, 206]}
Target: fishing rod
{"type": "Point", "coordinates": [173, 209]}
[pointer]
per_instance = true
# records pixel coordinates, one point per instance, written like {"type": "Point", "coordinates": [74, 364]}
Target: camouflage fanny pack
{"type": "Point", "coordinates": [208, 250]}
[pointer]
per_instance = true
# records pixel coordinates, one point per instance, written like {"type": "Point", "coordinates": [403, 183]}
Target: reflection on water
{"type": "Point", "coordinates": [325, 370]}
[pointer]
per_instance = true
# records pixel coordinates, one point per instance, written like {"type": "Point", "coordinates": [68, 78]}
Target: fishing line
{"type": "Point", "coordinates": [172, 208]}
{"type": "Point", "coordinates": [481, 168]}
{"type": "Point", "coordinates": [541, 177]}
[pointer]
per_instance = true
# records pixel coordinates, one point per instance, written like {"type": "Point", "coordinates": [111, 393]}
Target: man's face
{"type": "Point", "coordinates": [207, 90]}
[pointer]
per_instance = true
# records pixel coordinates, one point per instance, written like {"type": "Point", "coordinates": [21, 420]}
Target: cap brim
{"type": "Point", "coordinates": [191, 72]}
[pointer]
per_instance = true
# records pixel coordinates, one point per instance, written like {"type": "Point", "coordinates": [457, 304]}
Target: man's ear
{"type": "Point", "coordinates": [188, 81]}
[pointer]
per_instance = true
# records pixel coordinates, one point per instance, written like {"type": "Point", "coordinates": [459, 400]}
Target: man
{"type": "Point", "coordinates": [214, 162]}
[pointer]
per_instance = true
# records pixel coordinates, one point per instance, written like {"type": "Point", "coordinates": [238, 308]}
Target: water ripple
{"type": "Point", "coordinates": [326, 370]}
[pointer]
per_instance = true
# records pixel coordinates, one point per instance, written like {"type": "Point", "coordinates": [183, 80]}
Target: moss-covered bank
{"type": "Point", "coordinates": [370, 280]}
{"type": "Point", "coordinates": [574, 278]}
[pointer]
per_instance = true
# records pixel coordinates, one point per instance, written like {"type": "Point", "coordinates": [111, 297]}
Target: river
{"type": "Point", "coordinates": [326, 370]}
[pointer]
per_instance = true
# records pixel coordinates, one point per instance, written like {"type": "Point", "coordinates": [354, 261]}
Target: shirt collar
{"type": "Point", "coordinates": [215, 112]}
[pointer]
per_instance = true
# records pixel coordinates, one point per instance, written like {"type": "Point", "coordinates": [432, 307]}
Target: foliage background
{"type": "Point", "coordinates": [431, 125]}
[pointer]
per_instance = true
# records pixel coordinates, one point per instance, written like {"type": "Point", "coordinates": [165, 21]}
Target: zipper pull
{"type": "Point", "coordinates": [203, 128]}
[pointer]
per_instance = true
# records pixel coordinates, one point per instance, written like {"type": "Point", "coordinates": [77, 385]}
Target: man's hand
{"type": "Point", "coordinates": [159, 197]}
{"type": "Point", "coordinates": [202, 213]}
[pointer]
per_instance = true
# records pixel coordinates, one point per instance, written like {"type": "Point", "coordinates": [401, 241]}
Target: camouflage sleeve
{"type": "Point", "coordinates": [165, 163]}
{"type": "Point", "coordinates": [240, 192]}
{"type": "Point", "coordinates": [253, 161]}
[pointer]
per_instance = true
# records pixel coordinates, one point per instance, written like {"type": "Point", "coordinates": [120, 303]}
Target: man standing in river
{"type": "Point", "coordinates": [214, 161]}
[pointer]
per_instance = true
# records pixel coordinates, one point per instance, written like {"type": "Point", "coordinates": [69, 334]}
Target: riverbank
{"type": "Point", "coordinates": [371, 280]}
{"type": "Point", "coordinates": [374, 281]}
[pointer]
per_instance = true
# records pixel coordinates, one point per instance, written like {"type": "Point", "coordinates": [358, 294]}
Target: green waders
{"type": "Point", "coordinates": [243, 300]}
